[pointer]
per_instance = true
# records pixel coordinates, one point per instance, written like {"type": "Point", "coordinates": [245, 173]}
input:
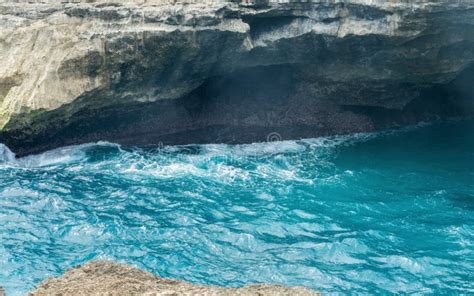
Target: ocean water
{"type": "Point", "coordinates": [367, 213]}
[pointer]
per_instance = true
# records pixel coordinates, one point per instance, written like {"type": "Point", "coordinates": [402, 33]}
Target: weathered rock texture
{"type": "Point", "coordinates": [107, 278]}
{"type": "Point", "coordinates": [148, 71]}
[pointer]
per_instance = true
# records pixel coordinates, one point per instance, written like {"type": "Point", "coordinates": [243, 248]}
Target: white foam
{"type": "Point", "coordinates": [6, 155]}
{"type": "Point", "coordinates": [71, 154]}
{"type": "Point", "coordinates": [265, 196]}
{"type": "Point", "coordinates": [269, 148]}
{"type": "Point", "coordinates": [53, 157]}
{"type": "Point", "coordinates": [63, 155]}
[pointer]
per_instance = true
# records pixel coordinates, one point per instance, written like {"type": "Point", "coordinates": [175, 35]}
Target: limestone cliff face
{"type": "Point", "coordinates": [148, 71]}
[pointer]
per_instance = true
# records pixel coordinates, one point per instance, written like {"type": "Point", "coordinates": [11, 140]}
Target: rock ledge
{"type": "Point", "coordinates": [109, 278]}
{"type": "Point", "coordinates": [155, 72]}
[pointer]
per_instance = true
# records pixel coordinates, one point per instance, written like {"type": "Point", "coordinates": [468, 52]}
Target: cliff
{"type": "Point", "coordinates": [176, 72]}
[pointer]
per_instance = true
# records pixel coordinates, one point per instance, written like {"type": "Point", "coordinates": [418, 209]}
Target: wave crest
{"type": "Point", "coordinates": [6, 155]}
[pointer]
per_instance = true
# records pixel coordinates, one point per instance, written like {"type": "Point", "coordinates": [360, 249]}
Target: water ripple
{"type": "Point", "coordinates": [369, 213]}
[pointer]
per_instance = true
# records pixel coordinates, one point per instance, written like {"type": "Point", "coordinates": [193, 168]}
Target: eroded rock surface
{"type": "Point", "coordinates": [108, 278]}
{"type": "Point", "coordinates": [149, 71]}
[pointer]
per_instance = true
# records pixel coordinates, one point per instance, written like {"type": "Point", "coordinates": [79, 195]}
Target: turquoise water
{"type": "Point", "coordinates": [386, 212]}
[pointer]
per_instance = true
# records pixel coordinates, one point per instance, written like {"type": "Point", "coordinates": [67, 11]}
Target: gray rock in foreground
{"type": "Point", "coordinates": [142, 72]}
{"type": "Point", "coordinates": [108, 278]}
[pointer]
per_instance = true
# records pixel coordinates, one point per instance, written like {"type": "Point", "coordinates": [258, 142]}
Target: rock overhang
{"type": "Point", "coordinates": [68, 64]}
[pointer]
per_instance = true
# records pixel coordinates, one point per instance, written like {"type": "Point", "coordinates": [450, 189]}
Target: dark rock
{"type": "Point", "coordinates": [151, 73]}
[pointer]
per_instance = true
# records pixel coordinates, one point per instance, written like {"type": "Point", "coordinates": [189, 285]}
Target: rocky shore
{"type": "Point", "coordinates": [108, 278]}
{"type": "Point", "coordinates": [141, 72]}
